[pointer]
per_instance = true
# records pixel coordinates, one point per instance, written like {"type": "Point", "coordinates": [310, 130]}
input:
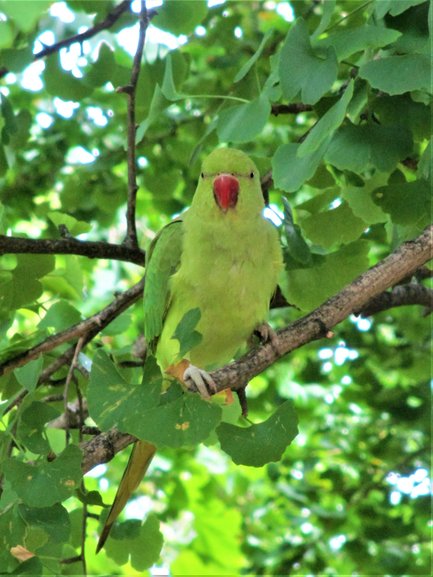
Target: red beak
{"type": "Point", "coordinates": [226, 190]}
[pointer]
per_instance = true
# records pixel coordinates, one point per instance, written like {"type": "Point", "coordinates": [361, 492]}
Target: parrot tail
{"type": "Point", "coordinates": [140, 459]}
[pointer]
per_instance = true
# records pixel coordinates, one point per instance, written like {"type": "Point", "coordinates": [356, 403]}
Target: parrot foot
{"type": "Point", "coordinates": [267, 334]}
{"type": "Point", "coordinates": [195, 378]}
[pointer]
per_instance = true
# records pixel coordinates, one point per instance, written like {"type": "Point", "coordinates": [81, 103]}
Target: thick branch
{"type": "Point", "coordinates": [108, 22]}
{"type": "Point", "coordinates": [102, 448]}
{"type": "Point", "coordinates": [403, 262]}
{"type": "Point", "coordinates": [130, 90]}
{"type": "Point", "coordinates": [92, 326]}
{"type": "Point", "coordinates": [18, 245]}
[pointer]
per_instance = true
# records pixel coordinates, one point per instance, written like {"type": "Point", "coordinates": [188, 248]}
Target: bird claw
{"type": "Point", "coordinates": [267, 334]}
{"type": "Point", "coordinates": [198, 379]}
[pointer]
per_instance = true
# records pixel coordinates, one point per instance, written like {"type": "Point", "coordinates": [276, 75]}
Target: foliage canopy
{"type": "Point", "coordinates": [332, 100]}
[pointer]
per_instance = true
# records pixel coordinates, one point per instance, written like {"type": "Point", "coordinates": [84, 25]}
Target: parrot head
{"type": "Point", "coordinates": [232, 179]}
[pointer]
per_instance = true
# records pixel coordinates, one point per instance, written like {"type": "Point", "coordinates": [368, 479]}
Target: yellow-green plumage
{"type": "Point", "coordinates": [224, 262]}
{"type": "Point", "coordinates": [228, 267]}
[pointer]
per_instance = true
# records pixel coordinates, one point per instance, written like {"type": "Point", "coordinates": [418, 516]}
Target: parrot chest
{"type": "Point", "coordinates": [230, 275]}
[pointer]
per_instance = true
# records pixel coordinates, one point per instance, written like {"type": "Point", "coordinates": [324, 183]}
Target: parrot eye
{"type": "Point", "coordinates": [251, 174]}
{"type": "Point", "coordinates": [202, 175]}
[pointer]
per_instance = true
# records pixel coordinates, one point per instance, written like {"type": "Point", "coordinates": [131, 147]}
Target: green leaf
{"type": "Point", "coordinates": [60, 315]}
{"type": "Point", "coordinates": [7, 34]}
{"type": "Point", "coordinates": [17, 59]}
{"type": "Point", "coordinates": [45, 483]}
{"type": "Point", "coordinates": [261, 443]}
{"type": "Point", "coordinates": [63, 84]}
{"type": "Point", "coordinates": [352, 40]}
{"type": "Point", "coordinates": [327, 11]}
{"type": "Point", "coordinates": [35, 265]}
{"type": "Point", "coordinates": [74, 226]}
{"type": "Point", "coordinates": [296, 246]}
{"type": "Point", "coordinates": [183, 421]}
{"type": "Point", "coordinates": [104, 69]}
{"type": "Point", "coordinates": [25, 13]}
{"type": "Point", "coordinates": [303, 70]}
{"type": "Point", "coordinates": [168, 87]}
{"type": "Point", "coordinates": [32, 566]}
{"type": "Point", "coordinates": [173, 419]}
{"type": "Point", "coordinates": [359, 148]}
{"type": "Point", "coordinates": [327, 125]}
{"type": "Point", "coordinates": [180, 17]}
{"type": "Point", "coordinates": [243, 122]}
{"type": "Point", "coordinates": [141, 543]}
{"type": "Point", "coordinates": [257, 54]}
{"type": "Point", "coordinates": [28, 375]}
{"type": "Point", "coordinates": [290, 171]}
{"type": "Point", "coordinates": [401, 6]}
{"type": "Point", "coordinates": [9, 124]}
{"type": "Point", "coordinates": [398, 74]}
{"type": "Point", "coordinates": [21, 134]}
{"type": "Point", "coordinates": [408, 203]}
{"type": "Point", "coordinates": [360, 200]}
{"type": "Point", "coordinates": [307, 288]}
{"type": "Point", "coordinates": [404, 111]}
{"type": "Point", "coordinates": [4, 165]}
{"type": "Point", "coordinates": [425, 163]}
{"type": "Point", "coordinates": [90, 497]}
{"type": "Point", "coordinates": [157, 105]}
{"type": "Point", "coordinates": [54, 521]}
{"type": "Point", "coordinates": [185, 332]}
{"type": "Point", "coordinates": [110, 397]}
{"type": "Point", "coordinates": [31, 426]}
{"type": "Point", "coordinates": [2, 223]}
{"type": "Point", "coordinates": [119, 326]}
{"type": "Point", "coordinates": [24, 287]}
{"type": "Point", "coordinates": [333, 228]}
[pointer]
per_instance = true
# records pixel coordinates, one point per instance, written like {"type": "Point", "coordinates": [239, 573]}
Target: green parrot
{"type": "Point", "coordinates": [221, 256]}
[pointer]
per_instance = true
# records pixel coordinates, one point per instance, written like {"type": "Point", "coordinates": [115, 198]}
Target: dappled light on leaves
{"type": "Point", "coordinates": [99, 150]}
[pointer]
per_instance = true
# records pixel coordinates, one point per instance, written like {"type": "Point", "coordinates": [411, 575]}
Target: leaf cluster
{"type": "Point", "coordinates": [332, 100]}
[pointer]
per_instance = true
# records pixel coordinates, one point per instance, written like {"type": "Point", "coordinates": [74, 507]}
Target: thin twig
{"type": "Point", "coordinates": [90, 249]}
{"type": "Point", "coordinates": [130, 90]}
{"type": "Point", "coordinates": [71, 560]}
{"type": "Point", "coordinates": [69, 376]}
{"type": "Point", "coordinates": [108, 22]}
{"type": "Point", "coordinates": [96, 323]}
{"type": "Point", "coordinates": [294, 108]}
{"type": "Point", "coordinates": [399, 296]}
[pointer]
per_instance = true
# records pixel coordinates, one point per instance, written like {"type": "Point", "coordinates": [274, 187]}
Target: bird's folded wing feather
{"type": "Point", "coordinates": [162, 262]}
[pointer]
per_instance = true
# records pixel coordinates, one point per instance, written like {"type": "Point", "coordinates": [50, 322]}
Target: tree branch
{"type": "Point", "coordinates": [403, 262]}
{"type": "Point", "coordinates": [401, 295]}
{"type": "Point", "coordinates": [18, 245]}
{"type": "Point", "coordinates": [130, 90]}
{"type": "Point", "coordinates": [89, 327]}
{"type": "Point", "coordinates": [108, 22]}
{"type": "Point", "coordinates": [294, 108]}
{"type": "Point", "coordinates": [102, 448]}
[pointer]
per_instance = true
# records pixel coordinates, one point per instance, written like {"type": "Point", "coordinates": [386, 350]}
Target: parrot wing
{"type": "Point", "coordinates": [163, 259]}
